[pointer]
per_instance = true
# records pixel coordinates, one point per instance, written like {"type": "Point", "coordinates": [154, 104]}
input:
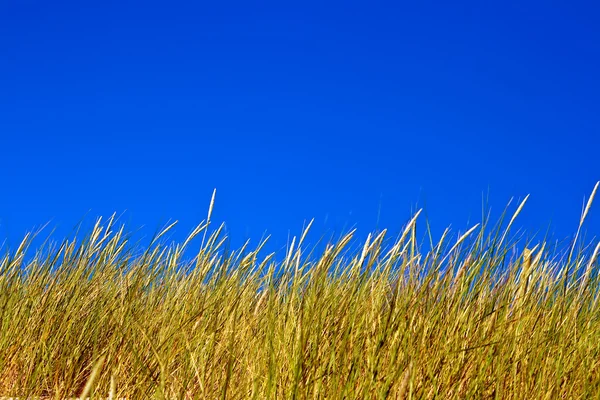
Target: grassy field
{"type": "Point", "coordinates": [479, 315]}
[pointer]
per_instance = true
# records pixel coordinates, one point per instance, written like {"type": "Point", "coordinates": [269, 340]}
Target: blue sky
{"type": "Point", "coordinates": [352, 113]}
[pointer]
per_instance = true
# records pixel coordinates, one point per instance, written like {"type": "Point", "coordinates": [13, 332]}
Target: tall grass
{"type": "Point", "coordinates": [482, 316]}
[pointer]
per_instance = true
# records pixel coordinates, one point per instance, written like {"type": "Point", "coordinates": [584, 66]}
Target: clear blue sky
{"type": "Point", "coordinates": [351, 113]}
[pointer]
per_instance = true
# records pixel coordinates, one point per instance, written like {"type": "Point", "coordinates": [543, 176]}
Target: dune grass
{"type": "Point", "coordinates": [479, 316]}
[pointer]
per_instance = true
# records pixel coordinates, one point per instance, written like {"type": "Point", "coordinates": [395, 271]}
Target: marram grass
{"type": "Point", "coordinates": [478, 316]}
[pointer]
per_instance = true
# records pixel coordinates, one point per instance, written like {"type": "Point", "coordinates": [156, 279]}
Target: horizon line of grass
{"type": "Point", "coordinates": [476, 317]}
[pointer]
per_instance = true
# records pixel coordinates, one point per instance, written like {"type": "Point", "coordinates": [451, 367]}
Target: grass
{"type": "Point", "coordinates": [471, 318]}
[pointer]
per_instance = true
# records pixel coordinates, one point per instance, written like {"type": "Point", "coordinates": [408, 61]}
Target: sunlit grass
{"type": "Point", "coordinates": [481, 316]}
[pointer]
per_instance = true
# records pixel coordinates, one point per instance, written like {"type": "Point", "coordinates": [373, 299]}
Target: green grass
{"type": "Point", "coordinates": [473, 318]}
